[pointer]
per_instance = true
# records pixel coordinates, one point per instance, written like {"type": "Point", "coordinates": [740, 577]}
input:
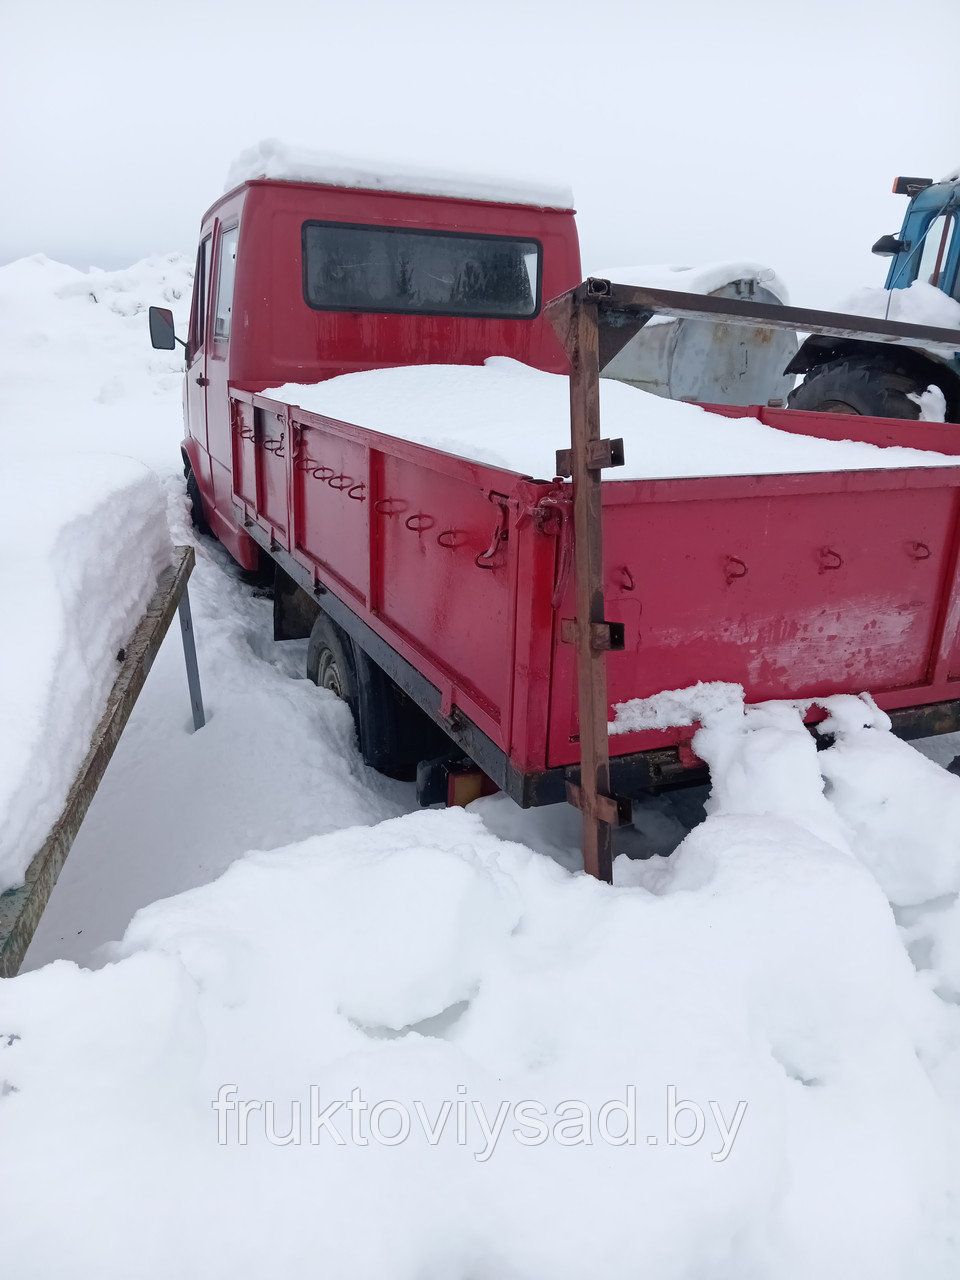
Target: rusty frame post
{"type": "Point", "coordinates": [578, 325]}
{"type": "Point", "coordinates": [593, 322]}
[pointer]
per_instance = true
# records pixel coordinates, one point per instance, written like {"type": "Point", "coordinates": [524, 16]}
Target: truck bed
{"type": "Point", "coordinates": [455, 576]}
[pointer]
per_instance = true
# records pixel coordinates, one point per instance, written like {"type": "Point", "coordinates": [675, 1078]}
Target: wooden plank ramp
{"type": "Point", "coordinates": [21, 908]}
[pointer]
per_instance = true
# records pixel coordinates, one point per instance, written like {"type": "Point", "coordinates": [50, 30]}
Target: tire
{"type": "Point", "coordinates": [863, 386]}
{"type": "Point", "coordinates": [331, 663]}
{"type": "Point", "coordinates": [393, 733]}
{"type": "Point", "coordinates": [197, 515]}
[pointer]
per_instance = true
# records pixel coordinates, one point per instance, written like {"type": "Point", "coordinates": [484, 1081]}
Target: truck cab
{"type": "Point", "coordinates": [302, 281]}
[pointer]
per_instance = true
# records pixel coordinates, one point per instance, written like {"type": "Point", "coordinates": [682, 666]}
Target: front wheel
{"type": "Point", "coordinates": [197, 514]}
{"type": "Point", "coordinates": [868, 387]}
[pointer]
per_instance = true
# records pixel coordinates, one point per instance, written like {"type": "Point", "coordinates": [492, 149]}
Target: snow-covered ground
{"type": "Point", "coordinates": [742, 1061]}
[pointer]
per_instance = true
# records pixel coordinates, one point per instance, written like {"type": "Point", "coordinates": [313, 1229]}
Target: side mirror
{"type": "Point", "coordinates": [162, 336]}
{"type": "Point", "coordinates": [888, 246]}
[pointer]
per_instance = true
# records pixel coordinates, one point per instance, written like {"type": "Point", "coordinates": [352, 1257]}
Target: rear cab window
{"type": "Point", "coordinates": [351, 267]}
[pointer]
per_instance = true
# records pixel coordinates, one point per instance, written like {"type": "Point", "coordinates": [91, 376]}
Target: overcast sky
{"type": "Point", "coordinates": [691, 130]}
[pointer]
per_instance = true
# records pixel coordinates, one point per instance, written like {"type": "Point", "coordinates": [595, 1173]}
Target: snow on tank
{"type": "Point", "coordinates": [701, 360]}
{"type": "Point", "coordinates": [275, 160]}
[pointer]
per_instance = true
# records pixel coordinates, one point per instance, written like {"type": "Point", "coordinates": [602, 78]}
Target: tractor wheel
{"type": "Point", "coordinates": [197, 515]}
{"type": "Point", "coordinates": [868, 387]}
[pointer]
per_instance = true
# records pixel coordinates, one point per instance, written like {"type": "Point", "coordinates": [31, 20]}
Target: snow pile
{"type": "Point", "coordinates": [541, 1027]}
{"type": "Point", "coordinates": [919, 303]}
{"type": "Point", "coordinates": [726, 1065]}
{"type": "Point", "coordinates": [76, 362]}
{"type": "Point", "coordinates": [77, 588]}
{"type": "Point", "coordinates": [84, 523]}
{"type": "Point", "coordinates": [705, 702]}
{"type": "Point", "coordinates": [162, 279]}
{"type": "Point", "coordinates": [868, 794]}
{"type": "Point", "coordinates": [702, 279]}
{"type": "Point", "coordinates": [271, 158]}
{"type": "Point", "coordinates": [275, 763]}
{"type": "Point", "coordinates": [932, 404]}
{"type": "Point", "coordinates": [902, 811]}
{"type": "Point", "coordinates": [506, 414]}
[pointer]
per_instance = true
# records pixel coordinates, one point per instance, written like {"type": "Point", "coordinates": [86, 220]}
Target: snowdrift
{"type": "Point", "coordinates": [84, 522]}
{"type": "Point", "coordinates": [509, 1036]}
{"type": "Point", "coordinates": [424, 967]}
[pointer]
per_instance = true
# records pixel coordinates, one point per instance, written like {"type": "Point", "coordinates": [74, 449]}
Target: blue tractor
{"type": "Point", "coordinates": [850, 376]}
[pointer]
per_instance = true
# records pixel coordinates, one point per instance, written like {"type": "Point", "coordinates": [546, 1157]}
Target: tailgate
{"type": "Point", "coordinates": [791, 585]}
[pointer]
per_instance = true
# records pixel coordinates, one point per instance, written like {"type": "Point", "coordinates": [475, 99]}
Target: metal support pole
{"type": "Point", "coordinates": [591, 631]}
{"type": "Point", "coordinates": [190, 658]}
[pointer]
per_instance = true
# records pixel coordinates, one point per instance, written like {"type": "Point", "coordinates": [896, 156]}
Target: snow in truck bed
{"type": "Point", "coordinates": [506, 414]}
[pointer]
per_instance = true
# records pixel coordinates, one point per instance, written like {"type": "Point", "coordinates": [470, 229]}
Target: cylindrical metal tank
{"type": "Point", "coordinates": [705, 362]}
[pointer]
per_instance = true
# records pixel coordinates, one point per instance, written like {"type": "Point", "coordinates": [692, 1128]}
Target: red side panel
{"type": "Point", "coordinates": [789, 585]}
{"type": "Point", "coordinates": [426, 548]}
{"type": "Point", "coordinates": [433, 533]}
{"type": "Point", "coordinates": [792, 586]}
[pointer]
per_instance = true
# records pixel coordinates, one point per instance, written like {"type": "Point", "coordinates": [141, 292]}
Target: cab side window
{"type": "Point", "coordinates": [226, 272]}
{"type": "Point", "coordinates": [198, 312]}
{"type": "Point", "coordinates": [936, 248]}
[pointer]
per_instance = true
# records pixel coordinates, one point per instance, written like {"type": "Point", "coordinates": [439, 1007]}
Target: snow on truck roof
{"type": "Point", "coordinates": [278, 162]}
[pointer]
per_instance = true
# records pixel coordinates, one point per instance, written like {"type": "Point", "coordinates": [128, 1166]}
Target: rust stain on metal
{"type": "Point", "coordinates": [577, 323]}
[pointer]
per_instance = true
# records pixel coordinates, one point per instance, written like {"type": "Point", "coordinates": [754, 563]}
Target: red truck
{"type": "Point", "coordinates": [435, 589]}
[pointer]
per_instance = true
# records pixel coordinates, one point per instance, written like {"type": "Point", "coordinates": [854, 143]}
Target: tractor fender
{"type": "Point", "coordinates": [926, 367]}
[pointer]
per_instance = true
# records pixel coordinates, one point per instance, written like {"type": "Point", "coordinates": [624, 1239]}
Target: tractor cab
{"type": "Point", "coordinates": [851, 376]}
{"type": "Point", "coordinates": [928, 247]}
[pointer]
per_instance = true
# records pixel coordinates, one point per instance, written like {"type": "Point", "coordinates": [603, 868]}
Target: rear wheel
{"type": "Point", "coordinates": [868, 387]}
{"type": "Point", "coordinates": [330, 661]}
{"type": "Point", "coordinates": [394, 734]}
